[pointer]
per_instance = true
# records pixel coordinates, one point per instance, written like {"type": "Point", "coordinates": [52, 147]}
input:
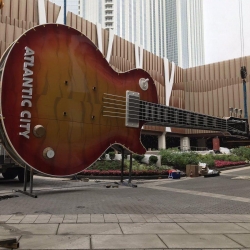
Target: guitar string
{"type": "Point", "coordinates": [220, 122]}
{"type": "Point", "coordinates": [219, 125]}
{"type": "Point", "coordinates": [210, 125]}
{"type": "Point", "coordinates": [166, 111]}
{"type": "Point", "coordinates": [169, 124]}
{"type": "Point", "coordinates": [159, 105]}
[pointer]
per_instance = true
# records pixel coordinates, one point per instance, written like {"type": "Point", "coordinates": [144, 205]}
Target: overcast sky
{"type": "Point", "coordinates": [222, 29]}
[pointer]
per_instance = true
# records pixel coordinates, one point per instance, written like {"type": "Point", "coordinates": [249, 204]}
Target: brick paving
{"type": "Point", "coordinates": [196, 213]}
{"type": "Point", "coordinates": [65, 196]}
{"type": "Point", "coordinates": [224, 184]}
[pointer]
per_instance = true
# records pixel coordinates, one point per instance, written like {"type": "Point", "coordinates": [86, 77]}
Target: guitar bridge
{"type": "Point", "coordinates": [132, 109]}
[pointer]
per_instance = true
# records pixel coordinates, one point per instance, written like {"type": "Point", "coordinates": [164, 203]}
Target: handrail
{"type": "Point", "coordinates": [193, 148]}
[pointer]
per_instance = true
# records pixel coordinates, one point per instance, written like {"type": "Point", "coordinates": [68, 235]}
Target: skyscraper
{"type": "Point", "coordinates": [167, 28]}
{"type": "Point", "coordinates": [72, 5]}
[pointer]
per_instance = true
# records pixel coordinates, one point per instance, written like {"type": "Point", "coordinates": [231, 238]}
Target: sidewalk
{"type": "Point", "coordinates": [128, 231]}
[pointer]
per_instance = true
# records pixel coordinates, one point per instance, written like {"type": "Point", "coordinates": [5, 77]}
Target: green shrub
{"type": "Point", "coordinates": [153, 160]}
{"type": "Point", "coordinates": [112, 155]}
{"type": "Point", "coordinates": [168, 157]}
{"type": "Point", "coordinates": [242, 152]}
{"type": "Point", "coordinates": [138, 158]}
{"type": "Point", "coordinates": [187, 158]}
{"type": "Point", "coordinates": [106, 165]}
{"type": "Point", "coordinates": [208, 159]}
{"type": "Point", "coordinates": [178, 159]}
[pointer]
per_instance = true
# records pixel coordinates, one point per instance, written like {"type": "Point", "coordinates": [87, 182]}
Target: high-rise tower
{"type": "Point", "coordinates": [72, 5]}
{"type": "Point", "coordinates": [168, 28]}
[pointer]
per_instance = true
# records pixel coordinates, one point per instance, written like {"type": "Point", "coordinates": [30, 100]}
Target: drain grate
{"type": "Point", "coordinates": [6, 197]}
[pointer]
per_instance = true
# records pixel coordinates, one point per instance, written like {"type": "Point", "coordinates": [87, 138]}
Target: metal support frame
{"type": "Point", "coordinates": [122, 165]}
{"type": "Point", "coordinates": [129, 184]}
{"type": "Point", "coordinates": [245, 98]}
{"type": "Point", "coordinates": [130, 168]}
{"type": "Point", "coordinates": [24, 191]}
{"type": "Point", "coordinates": [65, 11]}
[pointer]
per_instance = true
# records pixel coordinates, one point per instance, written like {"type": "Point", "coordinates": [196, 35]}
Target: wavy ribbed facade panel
{"type": "Point", "coordinates": [17, 16]}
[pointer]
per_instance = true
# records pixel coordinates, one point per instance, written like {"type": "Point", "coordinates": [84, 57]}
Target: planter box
{"type": "Point", "coordinates": [194, 169]}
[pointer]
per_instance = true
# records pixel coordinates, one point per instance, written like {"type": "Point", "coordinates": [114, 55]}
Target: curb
{"type": "Point", "coordinates": [100, 177]}
{"type": "Point", "coordinates": [233, 167]}
{"type": "Point", "coordinates": [147, 177]}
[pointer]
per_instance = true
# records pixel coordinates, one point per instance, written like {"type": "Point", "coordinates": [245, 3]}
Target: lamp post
{"type": "Point", "coordinates": [243, 73]}
{"type": "Point", "coordinates": [231, 111]}
{"type": "Point", "coordinates": [65, 11]}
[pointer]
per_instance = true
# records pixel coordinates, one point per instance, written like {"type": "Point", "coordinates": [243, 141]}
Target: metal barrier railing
{"type": "Point", "coordinates": [192, 148]}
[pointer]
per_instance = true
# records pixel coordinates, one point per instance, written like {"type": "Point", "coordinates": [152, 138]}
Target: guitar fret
{"type": "Point", "coordinates": [170, 116]}
{"type": "Point", "coordinates": [159, 113]}
{"type": "Point", "coordinates": [146, 111]}
{"type": "Point", "coordinates": [188, 120]}
{"type": "Point", "coordinates": [176, 116]}
{"type": "Point", "coordinates": [165, 114]}
{"type": "Point", "coordinates": [153, 112]}
{"type": "Point", "coordinates": [205, 120]}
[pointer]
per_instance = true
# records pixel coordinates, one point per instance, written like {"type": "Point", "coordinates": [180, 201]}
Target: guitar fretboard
{"type": "Point", "coordinates": [155, 114]}
{"type": "Point", "coordinates": [170, 116]}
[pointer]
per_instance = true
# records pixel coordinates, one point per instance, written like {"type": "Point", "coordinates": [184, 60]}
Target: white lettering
{"type": "Point", "coordinates": [27, 72]}
{"type": "Point", "coordinates": [29, 52]}
{"type": "Point", "coordinates": [26, 101]}
{"type": "Point", "coordinates": [27, 113]}
{"type": "Point", "coordinates": [25, 134]}
{"type": "Point", "coordinates": [26, 64]}
{"type": "Point", "coordinates": [27, 126]}
{"type": "Point", "coordinates": [29, 59]}
{"type": "Point", "coordinates": [27, 81]}
{"type": "Point", "coordinates": [29, 91]}
{"type": "Point", "coordinates": [25, 116]}
{"type": "Point", "coordinates": [24, 120]}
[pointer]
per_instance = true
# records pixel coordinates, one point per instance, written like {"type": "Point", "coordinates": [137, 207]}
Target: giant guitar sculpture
{"type": "Point", "coordinates": [1, 4]}
{"type": "Point", "coordinates": [62, 105]}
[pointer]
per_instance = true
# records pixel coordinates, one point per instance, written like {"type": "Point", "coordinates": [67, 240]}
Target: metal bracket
{"type": "Point", "coordinates": [132, 109]}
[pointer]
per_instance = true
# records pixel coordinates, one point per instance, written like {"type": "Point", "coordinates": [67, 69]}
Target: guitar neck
{"type": "Point", "coordinates": [167, 116]}
{"type": "Point", "coordinates": [161, 115]}
{"type": "Point", "coordinates": [173, 117]}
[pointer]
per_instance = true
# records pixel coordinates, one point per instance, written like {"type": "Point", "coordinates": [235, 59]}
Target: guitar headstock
{"type": "Point", "coordinates": [237, 127]}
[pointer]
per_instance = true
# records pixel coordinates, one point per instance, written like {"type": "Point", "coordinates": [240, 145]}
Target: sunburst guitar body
{"type": "Point", "coordinates": [62, 105]}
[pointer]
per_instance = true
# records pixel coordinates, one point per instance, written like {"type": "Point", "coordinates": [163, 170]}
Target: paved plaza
{"type": "Point", "coordinates": [190, 213]}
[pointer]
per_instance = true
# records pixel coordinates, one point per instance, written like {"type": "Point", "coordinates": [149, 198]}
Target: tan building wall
{"type": "Point", "coordinates": [209, 89]}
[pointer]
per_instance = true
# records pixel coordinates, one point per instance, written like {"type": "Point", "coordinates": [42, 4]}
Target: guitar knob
{"type": "Point", "coordinates": [48, 153]}
{"type": "Point", "coordinates": [39, 131]}
{"type": "Point", "coordinates": [143, 83]}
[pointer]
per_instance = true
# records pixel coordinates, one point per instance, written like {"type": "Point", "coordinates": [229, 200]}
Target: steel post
{"type": "Point", "coordinates": [130, 168]}
{"type": "Point", "coordinates": [245, 99]}
{"type": "Point", "coordinates": [122, 164]}
{"type": "Point", "coordinates": [65, 11]}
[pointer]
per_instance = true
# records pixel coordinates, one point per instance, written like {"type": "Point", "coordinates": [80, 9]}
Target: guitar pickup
{"type": "Point", "coordinates": [132, 109]}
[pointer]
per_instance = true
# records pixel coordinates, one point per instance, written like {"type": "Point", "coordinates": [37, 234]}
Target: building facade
{"type": "Point", "coordinates": [167, 28]}
{"type": "Point", "coordinates": [73, 6]}
{"type": "Point", "coordinates": [208, 89]}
